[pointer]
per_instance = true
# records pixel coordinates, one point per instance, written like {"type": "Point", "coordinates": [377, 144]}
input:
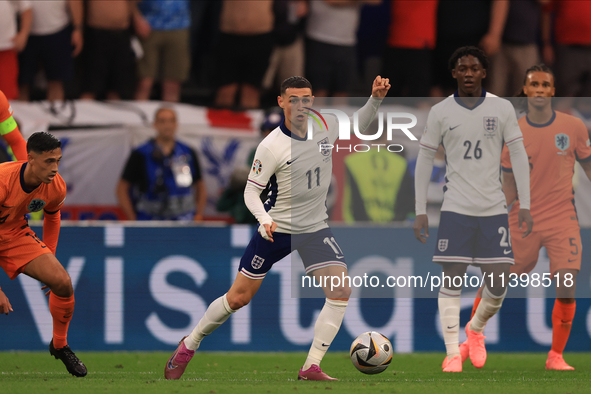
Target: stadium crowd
{"type": "Point", "coordinates": [230, 53]}
{"type": "Point", "coordinates": [234, 54]}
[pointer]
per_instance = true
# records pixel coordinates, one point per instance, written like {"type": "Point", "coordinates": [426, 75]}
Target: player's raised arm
{"type": "Point", "coordinates": [263, 167]}
{"type": "Point", "coordinates": [429, 145]}
{"type": "Point", "coordinates": [380, 87]}
{"type": "Point", "coordinates": [519, 163]}
{"type": "Point", "coordinates": [367, 113]}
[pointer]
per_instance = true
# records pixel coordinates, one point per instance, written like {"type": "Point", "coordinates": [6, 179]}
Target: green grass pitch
{"type": "Point", "coordinates": [242, 373]}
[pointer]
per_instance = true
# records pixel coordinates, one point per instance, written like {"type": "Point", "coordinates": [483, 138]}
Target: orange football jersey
{"type": "Point", "coordinates": [16, 200]}
{"type": "Point", "coordinates": [552, 149]}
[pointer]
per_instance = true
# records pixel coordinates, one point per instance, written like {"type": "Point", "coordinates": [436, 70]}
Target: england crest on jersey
{"type": "Point", "coordinates": [442, 245]}
{"type": "Point", "coordinates": [491, 124]}
{"type": "Point", "coordinates": [323, 146]}
{"type": "Point", "coordinates": [562, 141]}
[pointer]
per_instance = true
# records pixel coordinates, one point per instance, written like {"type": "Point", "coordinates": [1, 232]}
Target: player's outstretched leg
{"type": "Point", "coordinates": [216, 314]}
{"type": "Point", "coordinates": [562, 320]}
{"type": "Point", "coordinates": [327, 325]}
{"type": "Point", "coordinates": [449, 303]}
{"type": "Point", "coordinates": [61, 309]}
{"type": "Point", "coordinates": [67, 356]}
{"type": "Point", "coordinates": [488, 307]}
{"type": "Point", "coordinates": [326, 328]}
{"type": "Point", "coordinates": [47, 269]}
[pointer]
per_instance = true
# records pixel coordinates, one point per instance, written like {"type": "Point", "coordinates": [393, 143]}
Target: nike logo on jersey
{"type": "Point", "coordinates": [340, 257]}
{"type": "Point", "coordinates": [455, 127]}
{"type": "Point", "coordinates": [449, 328]}
{"type": "Point", "coordinates": [570, 261]}
{"type": "Point", "coordinates": [506, 251]}
{"type": "Point", "coordinates": [291, 161]}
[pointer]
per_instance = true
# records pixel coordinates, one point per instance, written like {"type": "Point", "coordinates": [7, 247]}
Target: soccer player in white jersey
{"type": "Point", "coordinates": [297, 170]}
{"type": "Point", "coordinates": [473, 126]}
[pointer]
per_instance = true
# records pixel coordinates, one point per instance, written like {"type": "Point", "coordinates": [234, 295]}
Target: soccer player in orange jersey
{"type": "Point", "coordinates": [30, 187]}
{"type": "Point", "coordinates": [9, 130]}
{"type": "Point", "coordinates": [553, 141]}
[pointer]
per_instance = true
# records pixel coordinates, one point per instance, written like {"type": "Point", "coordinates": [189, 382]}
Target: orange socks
{"type": "Point", "coordinates": [476, 302]}
{"type": "Point", "coordinates": [61, 309]}
{"type": "Point", "coordinates": [562, 321]}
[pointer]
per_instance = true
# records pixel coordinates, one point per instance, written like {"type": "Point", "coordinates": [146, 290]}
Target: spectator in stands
{"type": "Point", "coordinates": [205, 22]}
{"type": "Point", "coordinates": [372, 34]}
{"type": "Point", "coordinates": [572, 34]}
{"type": "Point", "coordinates": [409, 51]}
{"type": "Point", "coordinates": [287, 58]}
{"type": "Point", "coordinates": [162, 178]}
{"type": "Point", "coordinates": [244, 48]}
{"type": "Point", "coordinates": [273, 119]}
{"type": "Point", "coordinates": [109, 62]}
{"type": "Point", "coordinates": [12, 41]}
{"type": "Point", "coordinates": [331, 45]}
{"type": "Point", "coordinates": [465, 22]}
{"type": "Point", "coordinates": [519, 48]}
{"type": "Point", "coordinates": [232, 199]}
{"type": "Point", "coordinates": [163, 26]}
{"type": "Point", "coordinates": [56, 38]}
{"type": "Point", "coordinates": [378, 186]}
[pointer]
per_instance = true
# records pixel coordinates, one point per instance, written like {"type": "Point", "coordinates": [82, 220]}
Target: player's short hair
{"type": "Point", "coordinates": [468, 51]}
{"type": "Point", "coordinates": [540, 67]}
{"type": "Point", "coordinates": [164, 108]}
{"type": "Point", "coordinates": [296, 82]}
{"type": "Point", "coordinates": [42, 141]}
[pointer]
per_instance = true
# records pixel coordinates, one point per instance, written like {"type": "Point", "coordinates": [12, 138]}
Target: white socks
{"type": "Point", "coordinates": [326, 328]}
{"type": "Point", "coordinates": [488, 307]}
{"type": "Point", "coordinates": [449, 315]}
{"type": "Point", "coordinates": [216, 314]}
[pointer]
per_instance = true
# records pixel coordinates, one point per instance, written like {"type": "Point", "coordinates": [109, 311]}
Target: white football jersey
{"type": "Point", "coordinates": [298, 172]}
{"type": "Point", "coordinates": [473, 139]}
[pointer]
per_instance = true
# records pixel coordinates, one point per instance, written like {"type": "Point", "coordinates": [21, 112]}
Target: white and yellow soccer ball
{"type": "Point", "coordinates": [371, 352]}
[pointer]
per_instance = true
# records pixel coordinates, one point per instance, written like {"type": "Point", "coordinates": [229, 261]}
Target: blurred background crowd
{"type": "Point", "coordinates": [233, 54]}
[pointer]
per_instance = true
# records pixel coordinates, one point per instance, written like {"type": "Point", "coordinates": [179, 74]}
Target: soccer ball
{"type": "Point", "coordinates": [371, 352]}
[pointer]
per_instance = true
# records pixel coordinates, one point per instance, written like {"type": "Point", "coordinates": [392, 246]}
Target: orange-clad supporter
{"type": "Point", "coordinates": [9, 130]}
{"type": "Point", "coordinates": [27, 187]}
{"type": "Point", "coordinates": [553, 141]}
